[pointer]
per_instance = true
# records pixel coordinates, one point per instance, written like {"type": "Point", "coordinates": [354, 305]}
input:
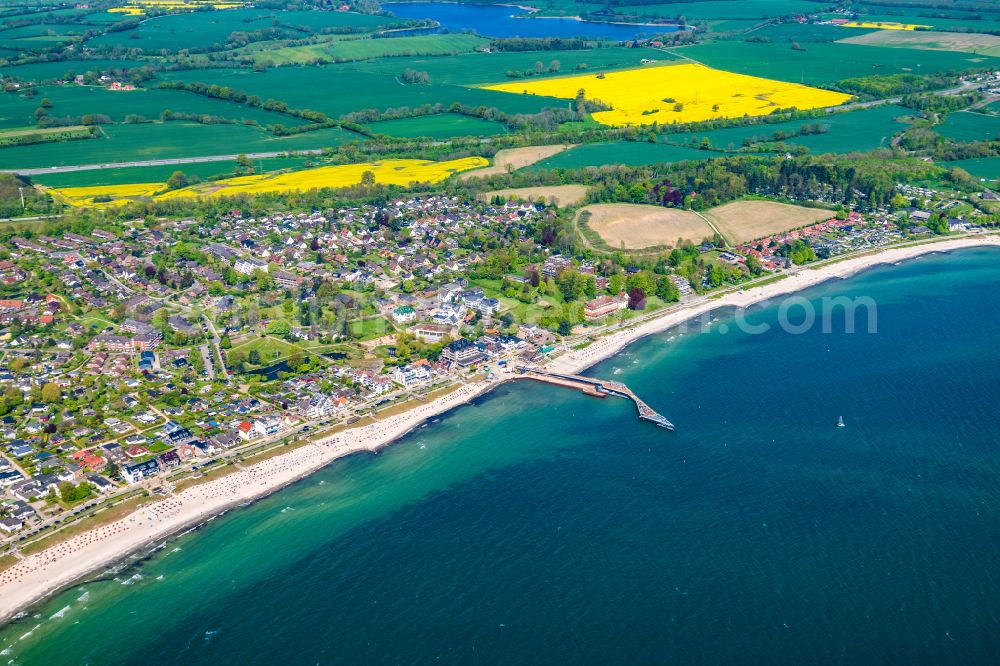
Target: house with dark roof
{"type": "Point", "coordinates": [11, 525]}
{"type": "Point", "coordinates": [138, 471]}
{"type": "Point", "coordinates": [462, 352]}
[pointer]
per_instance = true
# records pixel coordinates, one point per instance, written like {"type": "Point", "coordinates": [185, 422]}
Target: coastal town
{"type": "Point", "coordinates": [142, 357]}
{"type": "Point", "coordinates": [384, 325]}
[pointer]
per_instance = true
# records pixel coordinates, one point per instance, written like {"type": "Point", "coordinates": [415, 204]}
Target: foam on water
{"type": "Point", "coordinates": [59, 613]}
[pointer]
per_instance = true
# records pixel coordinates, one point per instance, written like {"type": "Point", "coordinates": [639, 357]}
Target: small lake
{"type": "Point", "coordinates": [271, 372]}
{"type": "Point", "coordinates": [509, 21]}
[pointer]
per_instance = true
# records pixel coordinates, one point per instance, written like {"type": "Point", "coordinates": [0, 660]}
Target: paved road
{"type": "Point", "coordinates": [174, 160]}
{"type": "Point", "coordinates": [29, 219]}
{"type": "Point", "coordinates": [224, 158]}
{"type": "Point", "coordinates": [206, 355]}
{"type": "Point", "coordinates": [218, 348]}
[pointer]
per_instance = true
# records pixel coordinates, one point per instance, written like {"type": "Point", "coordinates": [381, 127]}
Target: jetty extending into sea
{"type": "Point", "coordinates": [598, 388]}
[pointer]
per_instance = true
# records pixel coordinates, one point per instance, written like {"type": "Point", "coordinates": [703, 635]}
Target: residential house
{"type": "Point", "coordinates": [404, 314]}
{"type": "Point", "coordinates": [136, 472]}
{"type": "Point", "coordinates": [267, 425]}
{"type": "Point", "coordinates": [602, 306]}
{"type": "Point", "coordinates": [433, 333]}
{"type": "Point", "coordinates": [317, 406]}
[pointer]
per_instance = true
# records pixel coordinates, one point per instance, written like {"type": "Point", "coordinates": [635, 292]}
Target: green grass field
{"type": "Point", "coordinates": [35, 43]}
{"type": "Point", "coordinates": [621, 152]}
{"type": "Point", "coordinates": [73, 100]}
{"type": "Point", "coordinates": [846, 132]}
{"type": "Point", "coordinates": [482, 68]}
{"type": "Point", "coordinates": [418, 45]}
{"type": "Point", "coordinates": [983, 167]}
{"type": "Point", "coordinates": [184, 30]}
{"type": "Point", "coordinates": [39, 36]}
{"type": "Point", "coordinates": [157, 174]}
{"type": "Point", "coordinates": [323, 88]}
{"type": "Point", "coordinates": [41, 29]}
{"type": "Point", "coordinates": [827, 63]}
{"type": "Point", "coordinates": [369, 329]}
{"type": "Point", "coordinates": [178, 31]}
{"type": "Point", "coordinates": [966, 126]}
{"type": "Point", "coordinates": [271, 350]}
{"type": "Point", "coordinates": [938, 19]}
{"type": "Point", "coordinates": [716, 26]}
{"type": "Point", "coordinates": [316, 20]}
{"type": "Point", "coordinates": [976, 44]}
{"type": "Point", "coordinates": [442, 126]}
{"type": "Point", "coordinates": [127, 143]}
{"type": "Point", "coordinates": [338, 48]}
{"type": "Point", "coordinates": [806, 32]}
{"type": "Point", "coordinates": [49, 71]}
{"type": "Point", "coordinates": [13, 137]}
{"type": "Point", "coordinates": [720, 9]}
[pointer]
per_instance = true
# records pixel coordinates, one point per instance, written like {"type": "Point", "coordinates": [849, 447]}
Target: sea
{"type": "Point", "coordinates": [539, 525]}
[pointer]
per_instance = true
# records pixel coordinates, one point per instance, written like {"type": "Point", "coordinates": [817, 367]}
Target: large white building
{"type": "Point", "coordinates": [318, 406]}
{"type": "Point", "coordinates": [249, 266]}
{"type": "Point", "coordinates": [267, 425]}
{"type": "Point", "coordinates": [138, 471]}
{"type": "Point", "coordinates": [408, 375]}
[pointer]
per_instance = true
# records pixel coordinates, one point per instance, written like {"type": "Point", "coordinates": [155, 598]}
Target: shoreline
{"type": "Point", "coordinates": [676, 26]}
{"type": "Point", "coordinates": [62, 565]}
{"type": "Point", "coordinates": [531, 11]}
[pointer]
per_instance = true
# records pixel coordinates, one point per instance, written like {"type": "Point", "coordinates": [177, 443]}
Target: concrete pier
{"type": "Point", "coordinates": [598, 388]}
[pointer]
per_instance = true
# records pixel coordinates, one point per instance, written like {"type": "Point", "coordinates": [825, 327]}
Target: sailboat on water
{"type": "Point", "coordinates": [840, 422]}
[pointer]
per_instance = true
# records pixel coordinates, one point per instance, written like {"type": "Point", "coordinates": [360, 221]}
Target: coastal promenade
{"type": "Point", "coordinates": [43, 573]}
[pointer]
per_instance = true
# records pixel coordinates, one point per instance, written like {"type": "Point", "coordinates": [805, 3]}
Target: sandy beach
{"type": "Point", "coordinates": [607, 346]}
{"type": "Point", "coordinates": [45, 572]}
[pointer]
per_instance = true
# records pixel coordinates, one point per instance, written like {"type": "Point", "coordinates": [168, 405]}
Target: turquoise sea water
{"type": "Point", "coordinates": [541, 526]}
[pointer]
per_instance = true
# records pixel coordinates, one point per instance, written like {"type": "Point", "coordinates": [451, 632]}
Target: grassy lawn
{"type": "Point", "coordinates": [369, 329]}
{"type": "Point", "coordinates": [526, 313]}
{"type": "Point", "coordinates": [158, 447]}
{"type": "Point", "coordinates": [336, 348]}
{"type": "Point", "coordinates": [490, 287]}
{"type": "Point", "coordinates": [271, 350]}
{"type": "Point", "coordinates": [92, 320]}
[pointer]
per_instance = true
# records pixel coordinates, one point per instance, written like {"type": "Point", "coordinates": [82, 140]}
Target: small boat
{"type": "Point", "coordinates": [840, 422]}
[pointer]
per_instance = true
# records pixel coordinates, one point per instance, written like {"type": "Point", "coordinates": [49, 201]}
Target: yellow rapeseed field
{"type": "Point", "coordinates": [118, 194]}
{"type": "Point", "coordinates": [678, 94]}
{"type": "Point", "coordinates": [884, 25]}
{"type": "Point", "coordinates": [386, 172]}
{"type": "Point", "coordinates": [138, 7]}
